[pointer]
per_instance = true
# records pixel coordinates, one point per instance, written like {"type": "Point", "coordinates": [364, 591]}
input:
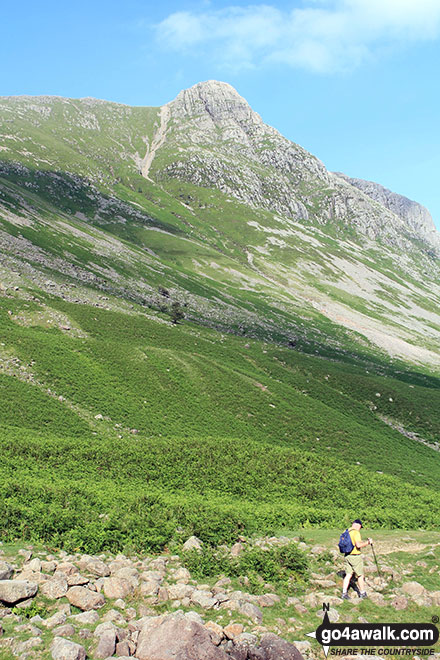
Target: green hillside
{"type": "Point", "coordinates": [300, 389]}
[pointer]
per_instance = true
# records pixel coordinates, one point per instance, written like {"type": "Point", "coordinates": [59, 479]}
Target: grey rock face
{"type": "Point", "coordinates": [240, 155]}
{"type": "Point", "coordinates": [214, 139]}
{"type": "Point", "coordinates": [415, 216]}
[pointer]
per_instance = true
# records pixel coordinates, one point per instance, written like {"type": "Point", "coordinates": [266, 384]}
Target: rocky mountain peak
{"type": "Point", "coordinates": [217, 99]}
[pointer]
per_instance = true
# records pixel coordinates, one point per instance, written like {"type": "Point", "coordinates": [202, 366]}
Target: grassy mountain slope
{"type": "Point", "coordinates": [302, 387]}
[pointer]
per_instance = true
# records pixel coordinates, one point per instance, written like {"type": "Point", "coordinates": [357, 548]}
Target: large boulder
{"type": "Point", "coordinates": [13, 591]}
{"type": "Point", "coordinates": [64, 649]}
{"type": "Point", "coordinates": [85, 599]}
{"type": "Point", "coordinates": [175, 636]}
{"type": "Point", "coordinates": [55, 588]}
{"type": "Point", "coordinates": [106, 645]}
{"type": "Point", "coordinates": [117, 587]}
{"type": "Point", "coordinates": [413, 589]}
{"type": "Point", "coordinates": [276, 648]}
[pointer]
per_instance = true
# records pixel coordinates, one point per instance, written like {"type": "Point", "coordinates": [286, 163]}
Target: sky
{"type": "Point", "coordinates": [356, 82]}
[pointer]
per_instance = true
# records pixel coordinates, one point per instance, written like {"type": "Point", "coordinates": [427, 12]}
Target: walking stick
{"type": "Point", "coordinates": [375, 559]}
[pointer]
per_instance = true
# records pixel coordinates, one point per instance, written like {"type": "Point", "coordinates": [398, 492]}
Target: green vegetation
{"type": "Point", "coordinates": [285, 566]}
{"type": "Point", "coordinates": [134, 429]}
{"type": "Point", "coordinates": [167, 360]}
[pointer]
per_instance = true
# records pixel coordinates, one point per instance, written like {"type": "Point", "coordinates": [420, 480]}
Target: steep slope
{"type": "Point", "coordinates": [205, 188]}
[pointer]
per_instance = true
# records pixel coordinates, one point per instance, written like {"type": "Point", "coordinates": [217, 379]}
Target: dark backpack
{"type": "Point", "coordinates": [345, 543]}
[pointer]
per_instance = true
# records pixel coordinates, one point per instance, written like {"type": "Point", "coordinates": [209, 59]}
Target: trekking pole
{"type": "Point", "coordinates": [375, 559]}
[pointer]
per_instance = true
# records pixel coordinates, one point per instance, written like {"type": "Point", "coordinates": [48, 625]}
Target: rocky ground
{"type": "Point", "coordinates": [70, 607]}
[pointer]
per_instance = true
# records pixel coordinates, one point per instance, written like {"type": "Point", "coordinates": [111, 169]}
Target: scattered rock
{"type": "Point", "coordinates": [175, 636]}
{"type": "Point", "coordinates": [6, 570]}
{"type": "Point", "coordinates": [63, 649]}
{"type": "Point", "coordinates": [55, 588]}
{"type": "Point", "coordinates": [85, 599]}
{"type": "Point", "coordinates": [193, 543]}
{"type": "Point", "coordinates": [14, 591]}
{"type": "Point", "coordinates": [399, 603]}
{"type": "Point", "coordinates": [106, 645]}
{"type": "Point", "coordinates": [278, 649]}
{"type": "Point", "coordinates": [413, 589]}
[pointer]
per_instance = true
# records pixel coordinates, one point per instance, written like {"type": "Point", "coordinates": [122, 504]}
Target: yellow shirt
{"type": "Point", "coordinates": [355, 536]}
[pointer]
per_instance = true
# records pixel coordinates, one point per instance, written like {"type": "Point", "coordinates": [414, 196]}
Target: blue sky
{"type": "Point", "coordinates": [356, 82]}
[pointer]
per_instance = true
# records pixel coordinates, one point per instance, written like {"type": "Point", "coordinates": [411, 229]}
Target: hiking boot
{"type": "Point", "coordinates": [363, 594]}
{"type": "Point", "coordinates": [345, 596]}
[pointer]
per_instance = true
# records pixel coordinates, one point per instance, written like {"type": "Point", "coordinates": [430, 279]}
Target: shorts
{"type": "Point", "coordinates": [354, 564]}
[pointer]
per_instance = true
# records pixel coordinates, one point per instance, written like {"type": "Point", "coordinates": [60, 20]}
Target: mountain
{"type": "Point", "coordinates": [311, 321]}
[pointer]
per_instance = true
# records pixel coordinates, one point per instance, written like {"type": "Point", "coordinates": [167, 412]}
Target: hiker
{"type": "Point", "coordinates": [354, 564]}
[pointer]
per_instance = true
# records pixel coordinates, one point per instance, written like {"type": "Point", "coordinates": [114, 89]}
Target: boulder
{"type": "Point", "coordinates": [123, 650]}
{"type": "Point", "coordinates": [85, 599]}
{"type": "Point", "coordinates": [64, 649]}
{"type": "Point", "coordinates": [175, 636]}
{"type": "Point", "coordinates": [251, 611]}
{"type": "Point", "coordinates": [179, 591]}
{"type": "Point", "coordinates": [117, 587]}
{"type": "Point", "coordinates": [193, 543]}
{"type": "Point", "coordinates": [55, 588]}
{"type": "Point", "coordinates": [97, 567]}
{"type": "Point", "coordinates": [236, 549]}
{"type": "Point", "coordinates": [106, 645]}
{"type": "Point", "coordinates": [333, 615]}
{"type": "Point", "coordinates": [87, 618]}
{"type": "Point", "coordinates": [413, 589]}
{"type": "Point", "coordinates": [6, 570]}
{"type": "Point", "coordinates": [13, 591]}
{"type": "Point", "coordinates": [34, 565]}
{"type": "Point", "coordinates": [67, 630]}
{"type": "Point", "coordinates": [276, 648]}
{"type": "Point", "coordinates": [182, 575]}
{"type": "Point", "coordinates": [56, 619]}
{"type": "Point", "coordinates": [233, 630]}
{"type": "Point", "coordinates": [400, 603]}
{"type": "Point", "coordinates": [149, 588]}
{"type": "Point", "coordinates": [215, 632]}
{"type": "Point", "coordinates": [267, 600]}
{"type": "Point", "coordinates": [203, 599]}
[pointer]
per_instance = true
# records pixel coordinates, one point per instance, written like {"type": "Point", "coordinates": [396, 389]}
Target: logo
{"type": "Point", "coordinates": [358, 637]}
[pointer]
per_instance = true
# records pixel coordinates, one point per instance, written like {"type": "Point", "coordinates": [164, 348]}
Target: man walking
{"type": "Point", "coordinates": [354, 564]}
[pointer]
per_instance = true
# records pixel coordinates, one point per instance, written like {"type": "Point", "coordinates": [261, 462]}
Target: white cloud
{"type": "Point", "coordinates": [322, 36]}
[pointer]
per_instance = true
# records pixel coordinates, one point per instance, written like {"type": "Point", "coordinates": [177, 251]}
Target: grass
{"type": "Point", "coordinates": [213, 435]}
